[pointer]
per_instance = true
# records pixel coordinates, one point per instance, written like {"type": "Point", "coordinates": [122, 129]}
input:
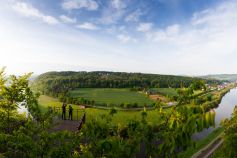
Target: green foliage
{"type": "Point", "coordinates": [184, 95]}
{"type": "Point", "coordinates": [172, 132]}
{"type": "Point", "coordinates": [209, 97]}
{"type": "Point", "coordinates": [57, 84]}
{"type": "Point", "coordinates": [112, 111]}
{"type": "Point", "coordinates": [28, 136]}
{"type": "Point", "coordinates": [201, 144]}
{"type": "Point", "coordinates": [171, 92]}
{"type": "Point", "coordinates": [34, 137]}
{"type": "Point", "coordinates": [12, 91]}
{"type": "Point", "coordinates": [198, 85]}
{"type": "Point", "coordinates": [228, 149]}
{"type": "Point", "coordinates": [230, 136]}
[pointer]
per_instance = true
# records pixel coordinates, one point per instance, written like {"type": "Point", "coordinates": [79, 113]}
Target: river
{"type": "Point", "coordinates": [223, 111]}
{"type": "Point", "coordinates": [22, 109]}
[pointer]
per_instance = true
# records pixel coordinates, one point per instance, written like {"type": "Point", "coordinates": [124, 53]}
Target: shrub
{"type": "Point", "coordinates": [135, 105]}
{"type": "Point", "coordinates": [121, 105]}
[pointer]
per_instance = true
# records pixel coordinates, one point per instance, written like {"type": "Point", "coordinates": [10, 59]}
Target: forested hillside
{"type": "Point", "coordinates": [53, 83]}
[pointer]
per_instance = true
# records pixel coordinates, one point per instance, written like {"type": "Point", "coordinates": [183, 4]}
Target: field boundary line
{"type": "Point", "coordinates": [121, 109]}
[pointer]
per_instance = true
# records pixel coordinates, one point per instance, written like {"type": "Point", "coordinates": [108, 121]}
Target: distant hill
{"type": "Point", "coordinates": [222, 77]}
{"type": "Point", "coordinates": [54, 83]}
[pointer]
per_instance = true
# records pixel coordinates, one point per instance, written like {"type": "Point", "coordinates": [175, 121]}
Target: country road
{"type": "Point", "coordinates": [208, 150]}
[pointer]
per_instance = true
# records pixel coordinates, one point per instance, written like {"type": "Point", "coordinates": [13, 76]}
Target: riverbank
{"type": "Point", "coordinates": [201, 144]}
{"type": "Point", "coordinates": [217, 97]}
{"type": "Point", "coordinates": [206, 142]}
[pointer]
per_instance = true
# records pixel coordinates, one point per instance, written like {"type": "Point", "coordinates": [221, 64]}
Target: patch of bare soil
{"type": "Point", "coordinates": [158, 97]}
{"type": "Point", "coordinates": [66, 125]}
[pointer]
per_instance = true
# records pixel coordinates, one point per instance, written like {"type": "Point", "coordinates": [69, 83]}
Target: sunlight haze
{"type": "Point", "coordinates": [189, 37]}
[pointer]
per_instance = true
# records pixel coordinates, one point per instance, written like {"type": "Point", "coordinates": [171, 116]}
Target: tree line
{"type": "Point", "coordinates": [91, 103]}
{"type": "Point", "coordinates": [59, 83]}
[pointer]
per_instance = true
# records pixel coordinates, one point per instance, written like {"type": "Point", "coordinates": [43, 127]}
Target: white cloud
{"type": "Point", "coordinates": [88, 26]}
{"type": "Point", "coordinates": [205, 44]}
{"type": "Point", "coordinates": [219, 17]}
{"type": "Point", "coordinates": [125, 38]}
{"type": "Point", "coordinates": [67, 19]}
{"type": "Point", "coordinates": [134, 16]}
{"type": "Point", "coordinates": [114, 12]}
{"type": "Point", "coordinates": [169, 33]}
{"type": "Point", "coordinates": [173, 30]}
{"type": "Point", "coordinates": [144, 27]}
{"type": "Point", "coordinates": [114, 30]}
{"type": "Point", "coordinates": [28, 10]}
{"type": "Point", "coordinates": [78, 4]}
{"type": "Point", "coordinates": [118, 4]}
{"type": "Point", "coordinates": [110, 17]}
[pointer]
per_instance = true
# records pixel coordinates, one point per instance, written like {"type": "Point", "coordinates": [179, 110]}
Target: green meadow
{"type": "Point", "coordinates": [121, 117]}
{"type": "Point", "coordinates": [112, 96]}
{"type": "Point", "coordinates": [165, 91]}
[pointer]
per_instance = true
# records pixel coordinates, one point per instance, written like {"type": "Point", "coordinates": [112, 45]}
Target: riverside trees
{"type": "Point", "coordinates": [22, 136]}
{"type": "Point", "coordinates": [162, 139]}
{"type": "Point", "coordinates": [230, 143]}
{"type": "Point", "coordinates": [228, 149]}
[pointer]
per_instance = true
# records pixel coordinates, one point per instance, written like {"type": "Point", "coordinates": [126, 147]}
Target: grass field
{"type": "Point", "coordinates": [121, 117]}
{"type": "Point", "coordinates": [112, 96]}
{"type": "Point", "coordinates": [46, 101]}
{"type": "Point", "coordinates": [170, 91]}
{"type": "Point", "coordinates": [165, 91]}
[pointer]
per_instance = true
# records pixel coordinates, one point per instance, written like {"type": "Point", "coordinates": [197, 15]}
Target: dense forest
{"type": "Point", "coordinates": [54, 83]}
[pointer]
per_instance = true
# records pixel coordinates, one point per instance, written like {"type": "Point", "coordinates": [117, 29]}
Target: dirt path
{"type": "Point", "coordinates": [210, 148]}
{"type": "Point", "coordinates": [67, 125]}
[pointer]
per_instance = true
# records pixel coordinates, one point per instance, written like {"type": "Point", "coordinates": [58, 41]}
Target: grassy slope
{"type": "Point", "coordinates": [220, 153]}
{"type": "Point", "coordinates": [121, 117]}
{"type": "Point", "coordinates": [171, 91]}
{"type": "Point", "coordinates": [45, 102]}
{"type": "Point", "coordinates": [201, 144]}
{"type": "Point", "coordinates": [112, 95]}
{"type": "Point", "coordinates": [165, 91]}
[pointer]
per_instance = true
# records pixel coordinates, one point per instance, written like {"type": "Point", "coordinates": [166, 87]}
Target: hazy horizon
{"type": "Point", "coordinates": [159, 36]}
{"type": "Point", "coordinates": [35, 75]}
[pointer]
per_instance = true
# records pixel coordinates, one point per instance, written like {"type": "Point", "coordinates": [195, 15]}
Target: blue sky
{"type": "Point", "coordinates": [189, 37]}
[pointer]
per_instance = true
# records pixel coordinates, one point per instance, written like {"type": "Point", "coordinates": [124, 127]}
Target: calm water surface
{"type": "Point", "coordinates": [223, 111]}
